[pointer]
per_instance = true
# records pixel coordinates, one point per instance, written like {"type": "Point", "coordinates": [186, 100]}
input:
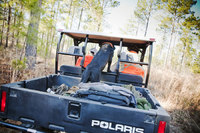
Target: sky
{"type": "Point", "coordinates": [120, 15]}
{"type": "Point", "coordinates": [118, 18]}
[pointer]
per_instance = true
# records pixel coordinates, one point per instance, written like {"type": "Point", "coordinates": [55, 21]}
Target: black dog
{"type": "Point", "coordinates": [93, 70]}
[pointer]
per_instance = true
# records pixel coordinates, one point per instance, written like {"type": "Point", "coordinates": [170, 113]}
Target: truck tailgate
{"type": "Point", "coordinates": [75, 115]}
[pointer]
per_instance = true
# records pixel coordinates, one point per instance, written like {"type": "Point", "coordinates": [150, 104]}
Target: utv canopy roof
{"type": "Point", "coordinates": [101, 37]}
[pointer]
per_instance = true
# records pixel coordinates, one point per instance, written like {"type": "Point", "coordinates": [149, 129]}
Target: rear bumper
{"type": "Point", "coordinates": [30, 130]}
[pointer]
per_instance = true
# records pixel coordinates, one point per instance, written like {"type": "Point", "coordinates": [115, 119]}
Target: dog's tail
{"type": "Point", "coordinates": [85, 76]}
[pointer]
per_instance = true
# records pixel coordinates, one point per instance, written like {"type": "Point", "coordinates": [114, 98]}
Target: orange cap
{"type": "Point", "coordinates": [133, 52]}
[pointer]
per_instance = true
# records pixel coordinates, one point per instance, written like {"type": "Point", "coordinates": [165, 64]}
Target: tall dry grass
{"type": "Point", "coordinates": [179, 94]}
{"type": "Point", "coordinates": [9, 74]}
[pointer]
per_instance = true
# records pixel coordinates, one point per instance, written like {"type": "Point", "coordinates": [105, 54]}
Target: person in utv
{"type": "Point", "coordinates": [131, 68]}
{"type": "Point", "coordinates": [88, 58]}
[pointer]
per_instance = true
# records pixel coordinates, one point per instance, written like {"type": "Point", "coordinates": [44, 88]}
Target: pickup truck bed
{"type": "Point", "coordinates": [27, 101]}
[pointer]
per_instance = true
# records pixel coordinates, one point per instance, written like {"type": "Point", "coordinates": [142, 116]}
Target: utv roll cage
{"type": "Point", "coordinates": [138, 45]}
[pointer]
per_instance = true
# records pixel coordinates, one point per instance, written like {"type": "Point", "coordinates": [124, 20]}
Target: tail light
{"type": "Point", "coordinates": [161, 127]}
{"type": "Point", "coordinates": [3, 101]}
{"type": "Point", "coordinates": [152, 39]}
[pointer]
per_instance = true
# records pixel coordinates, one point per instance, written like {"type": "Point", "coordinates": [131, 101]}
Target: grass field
{"type": "Point", "coordinates": [179, 94]}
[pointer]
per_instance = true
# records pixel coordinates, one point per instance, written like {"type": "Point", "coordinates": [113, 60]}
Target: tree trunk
{"type": "Point", "coordinates": [17, 41]}
{"type": "Point", "coordinates": [53, 36]}
{"type": "Point", "coordinates": [17, 35]}
{"type": "Point", "coordinates": [13, 35]}
{"type": "Point", "coordinates": [70, 7]}
{"type": "Point", "coordinates": [80, 18]}
{"type": "Point", "coordinates": [62, 48]}
{"type": "Point", "coordinates": [3, 26]}
{"type": "Point", "coordinates": [42, 42]}
{"type": "Point", "coordinates": [147, 24]}
{"type": "Point", "coordinates": [55, 16]}
{"type": "Point", "coordinates": [72, 19]}
{"type": "Point", "coordinates": [182, 57]}
{"type": "Point", "coordinates": [173, 30]}
{"type": "Point", "coordinates": [99, 26]}
{"type": "Point", "coordinates": [19, 25]}
{"type": "Point", "coordinates": [148, 17]}
{"type": "Point", "coordinates": [137, 29]}
{"type": "Point", "coordinates": [69, 13]}
{"type": "Point", "coordinates": [47, 46]}
{"type": "Point", "coordinates": [46, 50]}
{"type": "Point", "coordinates": [169, 47]}
{"type": "Point", "coordinates": [163, 43]}
{"type": "Point", "coordinates": [32, 35]}
{"type": "Point", "coordinates": [22, 51]}
{"type": "Point", "coordinates": [51, 46]}
{"type": "Point", "coordinates": [8, 29]}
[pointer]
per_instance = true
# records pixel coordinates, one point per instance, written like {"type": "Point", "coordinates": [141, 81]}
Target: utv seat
{"type": "Point", "coordinates": [108, 76]}
{"type": "Point", "coordinates": [125, 76]}
{"type": "Point", "coordinates": [75, 50]}
{"type": "Point", "coordinates": [131, 68]}
{"type": "Point", "coordinates": [72, 70]}
{"type": "Point", "coordinates": [130, 79]}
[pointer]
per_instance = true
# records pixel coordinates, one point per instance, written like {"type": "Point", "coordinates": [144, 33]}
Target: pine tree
{"type": "Point", "coordinates": [144, 11]}
{"type": "Point", "coordinates": [192, 24]}
{"type": "Point", "coordinates": [132, 27]}
{"type": "Point", "coordinates": [32, 34]}
{"type": "Point", "coordinates": [97, 12]}
{"type": "Point", "coordinates": [177, 11]}
{"type": "Point", "coordinates": [8, 24]}
{"type": "Point", "coordinates": [3, 18]}
{"type": "Point", "coordinates": [196, 64]}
